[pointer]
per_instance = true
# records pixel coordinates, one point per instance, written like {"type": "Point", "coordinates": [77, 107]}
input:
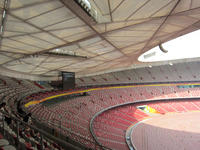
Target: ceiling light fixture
{"type": "Point", "coordinates": [162, 49]}
{"type": "Point", "coordinates": [86, 6]}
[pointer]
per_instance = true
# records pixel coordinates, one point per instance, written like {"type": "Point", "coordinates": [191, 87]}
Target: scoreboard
{"type": "Point", "coordinates": [68, 80]}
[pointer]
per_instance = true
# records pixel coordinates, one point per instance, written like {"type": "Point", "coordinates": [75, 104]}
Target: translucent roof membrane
{"type": "Point", "coordinates": [183, 47]}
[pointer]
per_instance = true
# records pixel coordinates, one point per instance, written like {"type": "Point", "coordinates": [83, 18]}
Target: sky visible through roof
{"type": "Point", "coordinates": [186, 46]}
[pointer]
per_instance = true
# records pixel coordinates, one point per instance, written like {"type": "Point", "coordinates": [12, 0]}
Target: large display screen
{"type": "Point", "coordinates": [68, 80]}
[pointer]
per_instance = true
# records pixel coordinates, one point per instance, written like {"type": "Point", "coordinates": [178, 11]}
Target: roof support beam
{"type": "Point", "coordinates": [158, 29]}
{"type": "Point", "coordinates": [81, 14]}
{"type": "Point", "coordinates": [3, 19]}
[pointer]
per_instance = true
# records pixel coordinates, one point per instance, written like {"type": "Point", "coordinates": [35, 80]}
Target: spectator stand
{"type": "Point", "coordinates": [17, 134]}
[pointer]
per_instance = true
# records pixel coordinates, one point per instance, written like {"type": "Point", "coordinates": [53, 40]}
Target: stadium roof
{"type": "Point", "coordinates": [44, 37]}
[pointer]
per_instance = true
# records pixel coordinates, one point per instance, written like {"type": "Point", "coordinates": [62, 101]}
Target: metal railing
{"type": "Point", "coordinates": [17, 125]}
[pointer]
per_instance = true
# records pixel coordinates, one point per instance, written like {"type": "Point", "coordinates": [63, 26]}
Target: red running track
{"type": "Point", "coordinates": [172, 131]}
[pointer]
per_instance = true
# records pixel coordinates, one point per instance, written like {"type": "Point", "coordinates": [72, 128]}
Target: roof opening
{"type": "Point", "coordinates": [183, 47]}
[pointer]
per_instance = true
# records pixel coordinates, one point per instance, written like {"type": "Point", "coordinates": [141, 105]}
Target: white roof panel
{"type": "Point", "coordinates": [72, 22]}
{"type": "Point", "coordinates": [52, 17]}
{"type": "Point", "coordinates": [73, 33]}
{"type": "Point", "coordinates": [195, 4]}
{"type": "Point", "coordinates": [21, 66]}
{"type": "Point", "coordinates": [19, 45]}
{"type": "Point", "coordinates": [103, 6]}
{"type": "Point", "coordinates": [149, 8]}
{"type": "Point", "coordinates": [32, 41]}
{"type": "Point", "coordinates": [48, 38]}
{"type": "Point", "coordinates": [4, 58]}
{"type": "Point", "coordinates": [36, 10]}
{"type": "Point", "coordinates": [126, 9]}
{"type": "Point", "coordinates": [15, 25]}
{"type": "Point", "coordinates": [22, 3]}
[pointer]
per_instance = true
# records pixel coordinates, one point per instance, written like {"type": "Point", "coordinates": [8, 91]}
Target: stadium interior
{"type": "Point", "coordinates": [81, 75]}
